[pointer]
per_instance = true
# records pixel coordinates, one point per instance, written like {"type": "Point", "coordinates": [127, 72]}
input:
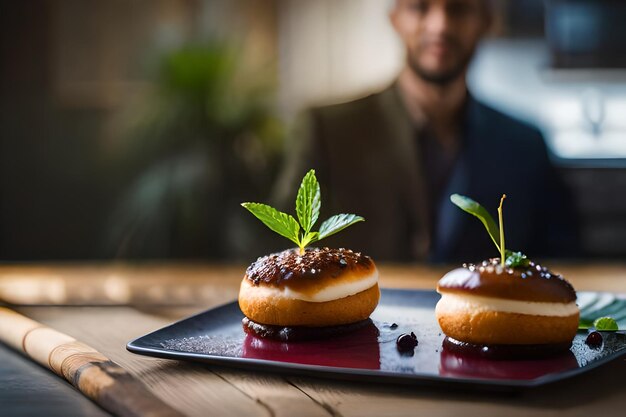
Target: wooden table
{"type": "Point", "coordinates": [107, 305]}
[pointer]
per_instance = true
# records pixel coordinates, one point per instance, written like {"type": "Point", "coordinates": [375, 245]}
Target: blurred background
{"type": "Point", "coordinates": [132, 129]}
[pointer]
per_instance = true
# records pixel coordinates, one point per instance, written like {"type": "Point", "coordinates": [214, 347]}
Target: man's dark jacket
{"type": "Point", "coordinates": [366, 157]}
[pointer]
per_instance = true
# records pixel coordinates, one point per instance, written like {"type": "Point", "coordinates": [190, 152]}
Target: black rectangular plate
{"type": "Point", "coordinates": [216, 336]}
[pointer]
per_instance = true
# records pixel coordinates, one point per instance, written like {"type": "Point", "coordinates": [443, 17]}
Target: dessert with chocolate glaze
{"type": "Point", "coordinates": [307, 287]}
{"type": "Point", "coordinates": [321, 287]}
{"type": "Point", "coordinates": [506, 301]}
{"type": "Point", "coordinates": [489, 304]}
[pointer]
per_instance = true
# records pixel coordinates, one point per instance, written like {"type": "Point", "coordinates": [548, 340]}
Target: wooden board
{"type": "Point", "coordinates": [22, 380]}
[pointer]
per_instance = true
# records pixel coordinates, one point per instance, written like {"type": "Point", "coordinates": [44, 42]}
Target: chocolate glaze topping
{"type": "Point", "coordinates": [311, 271]}
{"type": "Point", "coordinates": [490, 279]}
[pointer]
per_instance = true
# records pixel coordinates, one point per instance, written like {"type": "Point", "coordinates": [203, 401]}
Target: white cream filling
{"type": "Point", "coordinates": [330, 293]}
{"type": "Point", "coordinates": [453, 303]}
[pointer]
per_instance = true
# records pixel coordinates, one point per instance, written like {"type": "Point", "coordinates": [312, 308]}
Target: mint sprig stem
{"type": "Point", "coordinates": [508, 258]}
{"type": "Point", "coordinates": [308, 205]}
{"type": "Point", "coordinates": [501, 223]}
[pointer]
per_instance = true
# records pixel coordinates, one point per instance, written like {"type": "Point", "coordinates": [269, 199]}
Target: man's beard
{"type": "Point", "coordinates": [441, 78]}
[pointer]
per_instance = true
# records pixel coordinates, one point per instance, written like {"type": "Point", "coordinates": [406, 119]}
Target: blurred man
{"type": "Point", "coordinates": [396, 156]}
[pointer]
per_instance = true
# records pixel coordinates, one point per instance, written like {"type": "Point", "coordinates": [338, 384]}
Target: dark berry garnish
{"type": "Point", "coordinates": [594, 339]}
{"type": "Point", "coordinates": [406, 342]}
{"type": "Point", "coordinates": [393, 326]}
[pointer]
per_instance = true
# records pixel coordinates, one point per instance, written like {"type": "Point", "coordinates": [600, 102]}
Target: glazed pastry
{"type": "Point", "coordinates": [489, 304]}
{"type": "Point", "coordinates": [505, 301]}
{"type": "Point", "coordinates": [303, 287]}
{"type": "Point", "coordinates": [322, 287]}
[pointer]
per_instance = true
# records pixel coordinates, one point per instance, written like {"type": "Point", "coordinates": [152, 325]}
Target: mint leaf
{"type": "Point", "coordinates": [473, 208]}
{"type": "Point", "coordinates": [605, 324]}
{"type": "Point", "coordinates": [309, 238]}
{"type": "Point", "coordinates": [337, 223]}
{"type": "Point", "coordinates": [308, 201]}
{"type": "Point", "coordinates": [516, 259]}
{"type": "Point", "coordinates": [282, 223]}
{"type": "Point", "coordinates": [308, 204]}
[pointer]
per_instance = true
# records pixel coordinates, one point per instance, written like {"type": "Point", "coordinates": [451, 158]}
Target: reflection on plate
{"type": "Point", "coordinates": [356, 349]}
{"type": "Point", "coordinates": [455, 364]}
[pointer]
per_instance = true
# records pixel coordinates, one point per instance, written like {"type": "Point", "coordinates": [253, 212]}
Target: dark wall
{"type": "Point", "coordinates": [601, 201]}
{"type": "Point", "coordinates": [57, 191]}
{"type": "Point", "coordinates": [53, 199]}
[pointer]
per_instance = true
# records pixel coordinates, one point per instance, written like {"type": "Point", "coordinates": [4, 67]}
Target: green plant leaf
{"type": "Point", "coordinates": [308, 201]}
{"type": "Point", "coordinates": [308, 204]}
{"type": "Point", "coordinates": [309, 238]}
{"type": "Point", "coordinates": [282, 223]}
{"type": "Point", "coordinates": [516, 259]}
{"type": "Point", "coordinates": [473, 208]}
{"type": "Point", "coordinates": [605, 324]}
{"type": "Point", "coordinates": [337, 223]}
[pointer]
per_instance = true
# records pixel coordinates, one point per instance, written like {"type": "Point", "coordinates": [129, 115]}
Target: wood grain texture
{"type": "Point", "coordinates": [193, 389]}
{"type": "Point", "coordinates": [92, 373]}
{"type": "Point", "coordinates": [199, 390]}
{"type": "Point", "coordinates": [22, 381]}
{"type": "Point", "coordinates": [118, 284]}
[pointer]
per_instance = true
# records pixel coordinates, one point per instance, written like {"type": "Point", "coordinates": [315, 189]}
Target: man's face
{"type": "Point", "coordinates": [440, 35]}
